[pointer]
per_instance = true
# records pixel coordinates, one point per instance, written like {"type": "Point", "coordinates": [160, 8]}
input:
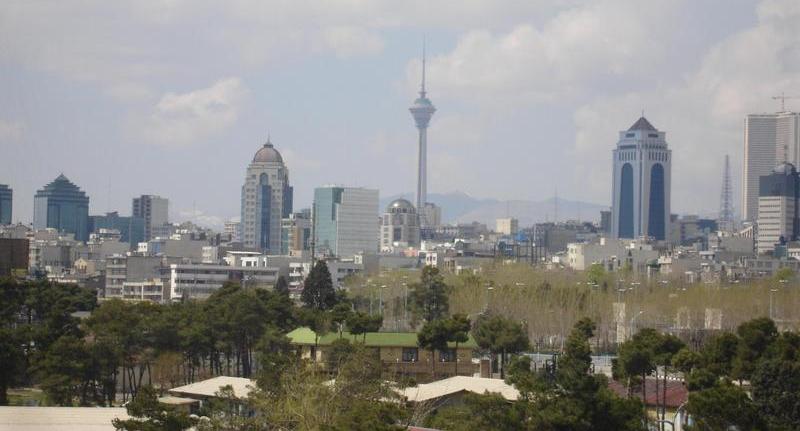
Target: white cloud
{"type": "Point", "coordinates": [702, 113]}
{"type": "Point", "coordinates": [348, 41]}
{"type": "Point", "coordinates": [11, 131]}
{"type": "Point", "coordinates": [605, 43]}
{"type": "Point", "coordinates": [183, 119]}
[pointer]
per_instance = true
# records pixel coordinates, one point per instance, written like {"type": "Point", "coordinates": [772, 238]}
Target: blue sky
{"type": "Point", "coordinates": [173, 97]}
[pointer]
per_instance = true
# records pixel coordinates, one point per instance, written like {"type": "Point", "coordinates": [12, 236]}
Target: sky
{"type": "Point", "coordinates": [174, 97]}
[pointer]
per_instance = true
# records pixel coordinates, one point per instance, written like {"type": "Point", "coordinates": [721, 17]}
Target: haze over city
{"type": "Point", "coordinates": [173, 98]}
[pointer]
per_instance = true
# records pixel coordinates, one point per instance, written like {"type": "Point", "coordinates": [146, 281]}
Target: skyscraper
{"type": "Point", "coordinates": [266, 200]}
{"type": "Point", "coordinates": [641, 183]}
{"type": "Point", "coordinates": [63, 206]}
{"type": "Point", "coordinates": [769, 139]}
{"type": "Point", "coordinates": [6, 200]}
{"type": "Point", "coordinates": [154, 210]}
{"type": "Point", "coordinates": [345, 221]}
{"type": "Point", "coordinates": [778, 197]}
{"type": "Point", "coordinates": [422, 110]}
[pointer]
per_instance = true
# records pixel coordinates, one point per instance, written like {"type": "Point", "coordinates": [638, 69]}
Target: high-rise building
{"type": "Point", "coordinates": [296, 234]}
{"type": "Point", "coordinates": [63, 206]}
{"type": "Point", "coordinates": [154, 210]}
{"type": "Point", "coordinates": [6, 198]}
{"type": "Point", "coordinates": [778, 197]}
{"type": "Point", "coordinates": [266, 200]}
{"type": "Point", "coordinates": [345, 221]}
{"type": "Point", "coordinates": [233, 230]}
{"type": "Point", "coordinates": [422, 110]}
{"type": "Point", "coordinates": [131, 229]}
{"type": "Point", "coordinates": [769, 139]}
{"type": "Point", "coordinates": [507, 226]}
{"type": "Point", "coordinates": [399, 226]}
{"type": "Point", "coordinates": [642, 178]}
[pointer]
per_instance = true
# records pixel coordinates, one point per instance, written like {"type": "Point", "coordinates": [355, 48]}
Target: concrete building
{"type": "Point", "coordinates": [400, 226]}
{"type": "Point", "coordinates": [266, 200]}
{"type": "Point", "coordinates": [63, 206]}
{"type": "Point", "coordinates": [296, 234]}
{"type": "Point", "coordinates": [149, 290]}
{"type": "Point", "coordinates": [769, 139]}
{"type": "Point", "coordinates": [154, 210]}
{"type": "Point", "coordinates": [131, 229]}
{"type": "Point", "coordinates": [345, 221]}
{"type": "Point", "coordinates": [6, 201]}
{"type": "Point", "coordinates": [641, 183]}
{"type": "Point", "coordinates": [200, 281]}
{"type": "Point", "coordinates": [612, 254]}
{"type": "Point", "coordinates": [778, 218]}
{"type": "Point", "coordinates": [507, 226]}
{"type": "Point", "coordinates": [233, 230]}
{"type": "Point", "coordinates": [121, 269]}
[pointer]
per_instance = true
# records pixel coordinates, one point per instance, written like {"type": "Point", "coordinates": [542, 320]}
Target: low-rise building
{"type": "Point", "coordinates": [150, 290]}
{"type": "Point", "coordinates": [199, 281]}
{"type": "Point", "coordinates": [399, 353]}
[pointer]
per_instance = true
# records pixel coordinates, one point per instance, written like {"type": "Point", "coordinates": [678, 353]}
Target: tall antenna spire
{"type": "Point", "coordinates": [726, 219]}
{"type": "Point", "coordinates": [422, 86]}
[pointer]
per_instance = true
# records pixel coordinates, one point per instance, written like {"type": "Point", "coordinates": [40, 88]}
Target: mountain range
{"type": "Point", "coordinates": [459, 207]}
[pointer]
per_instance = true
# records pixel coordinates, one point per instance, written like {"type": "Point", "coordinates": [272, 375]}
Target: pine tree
{"type": "Point", "coordinates": [318, 292]}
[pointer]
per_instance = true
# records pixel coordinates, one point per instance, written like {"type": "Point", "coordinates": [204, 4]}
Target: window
{"type": "Point", "coordinates": [410, 354]}
{"type": "Point", "coordinates": [447, 355]}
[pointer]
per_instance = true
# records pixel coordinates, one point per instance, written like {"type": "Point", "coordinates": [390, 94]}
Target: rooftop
{"type": "Point", "coordinates": [456, 384]}
{"type": "Point", "coordinates": [373, 339]}
{"type": "Point", "coordinates": [209, 388]}
{"type": "Point", "coordinates": [642, 124]}
{"type": "Point", "coordinates": [60, 418]}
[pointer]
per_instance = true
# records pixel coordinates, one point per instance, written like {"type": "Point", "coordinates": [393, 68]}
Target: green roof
{"type": "Point", "coordinates": [374, 339]}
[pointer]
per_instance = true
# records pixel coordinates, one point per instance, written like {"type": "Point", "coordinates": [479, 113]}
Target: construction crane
{"type": "Point", "coordinates": [783, 98]}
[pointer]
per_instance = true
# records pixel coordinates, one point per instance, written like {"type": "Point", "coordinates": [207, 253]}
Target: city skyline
{"type": "Point", "coordinates": [548, 115]}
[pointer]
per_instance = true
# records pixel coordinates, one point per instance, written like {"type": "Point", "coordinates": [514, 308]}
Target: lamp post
{"type": "Point", "coordinates": [771, 306]}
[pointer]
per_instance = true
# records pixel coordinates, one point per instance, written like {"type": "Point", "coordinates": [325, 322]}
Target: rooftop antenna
{"type": "Point", "coordinates": [726, 218]}
{"type": "Point", "coordinates": [783, 98]}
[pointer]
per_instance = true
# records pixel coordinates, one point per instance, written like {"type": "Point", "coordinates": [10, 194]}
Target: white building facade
{"type": "Point", "coordinates": [769, 139]}
{"type": "Point", "coordinates": [641, 183]}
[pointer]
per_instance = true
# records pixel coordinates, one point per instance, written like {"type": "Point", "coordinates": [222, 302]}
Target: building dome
{"type": "Point", "coordinates": [267, 154]}
{"type": "Point", "coordinates": [401, 206]}
{"type": "Point", "coordinates": [784, 168]}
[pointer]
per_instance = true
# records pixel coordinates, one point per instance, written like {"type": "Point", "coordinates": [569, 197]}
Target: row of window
{"type": "Point", "coordinates": [411, 354]}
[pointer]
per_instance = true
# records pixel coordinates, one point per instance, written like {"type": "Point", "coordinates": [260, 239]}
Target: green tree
{"type": "Point", "coordinates": [596, 274]}
{"type": "Point", "coordinates": [147, 414]}
{"type": "Point", "coordinates": [459, 331]}
{"type": "Point", "coordinates": [63, 371]}
{"type": "Point", "coordinates": [434, 336]}
{"type": "Point", "coordinates": [12, 359]}
{"type": "Point", "coordinates": [500, 336]}
{"type": "Point", "coordinates": [429, 297]}
{"type": "Point", "coordinates": [318, 292]}
{"type": "Point", "coordinates": [282, 286]}
{"type": "Point", "coordinates": [572, 398]}
{"type": "Point", "coordinates": [340, 314]}
{"type": "Point", "coordinates": [755, 337]}
{"type": "Point", "coordinates": [723, 407]}
{"type": "Point", "coordinates": [776, 392]}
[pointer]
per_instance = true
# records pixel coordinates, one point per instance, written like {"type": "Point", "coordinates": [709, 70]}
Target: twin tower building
{"type": "Point", "coordinates": [641, 183]}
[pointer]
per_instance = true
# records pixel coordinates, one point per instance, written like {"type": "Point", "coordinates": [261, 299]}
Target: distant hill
{"type": "Point", "coordinates": [459, 207]}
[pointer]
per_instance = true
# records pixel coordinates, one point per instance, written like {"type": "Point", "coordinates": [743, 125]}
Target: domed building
{"type": "Point", "coordinates": [63, 206]}
{"type": "Point", "coordinates": [399, 226]}
{"type": "Point", "coordinates": [266, 200]}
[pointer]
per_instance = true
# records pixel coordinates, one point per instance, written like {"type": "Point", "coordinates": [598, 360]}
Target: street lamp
{"type": "Point", "coordinates": [771, 314]}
